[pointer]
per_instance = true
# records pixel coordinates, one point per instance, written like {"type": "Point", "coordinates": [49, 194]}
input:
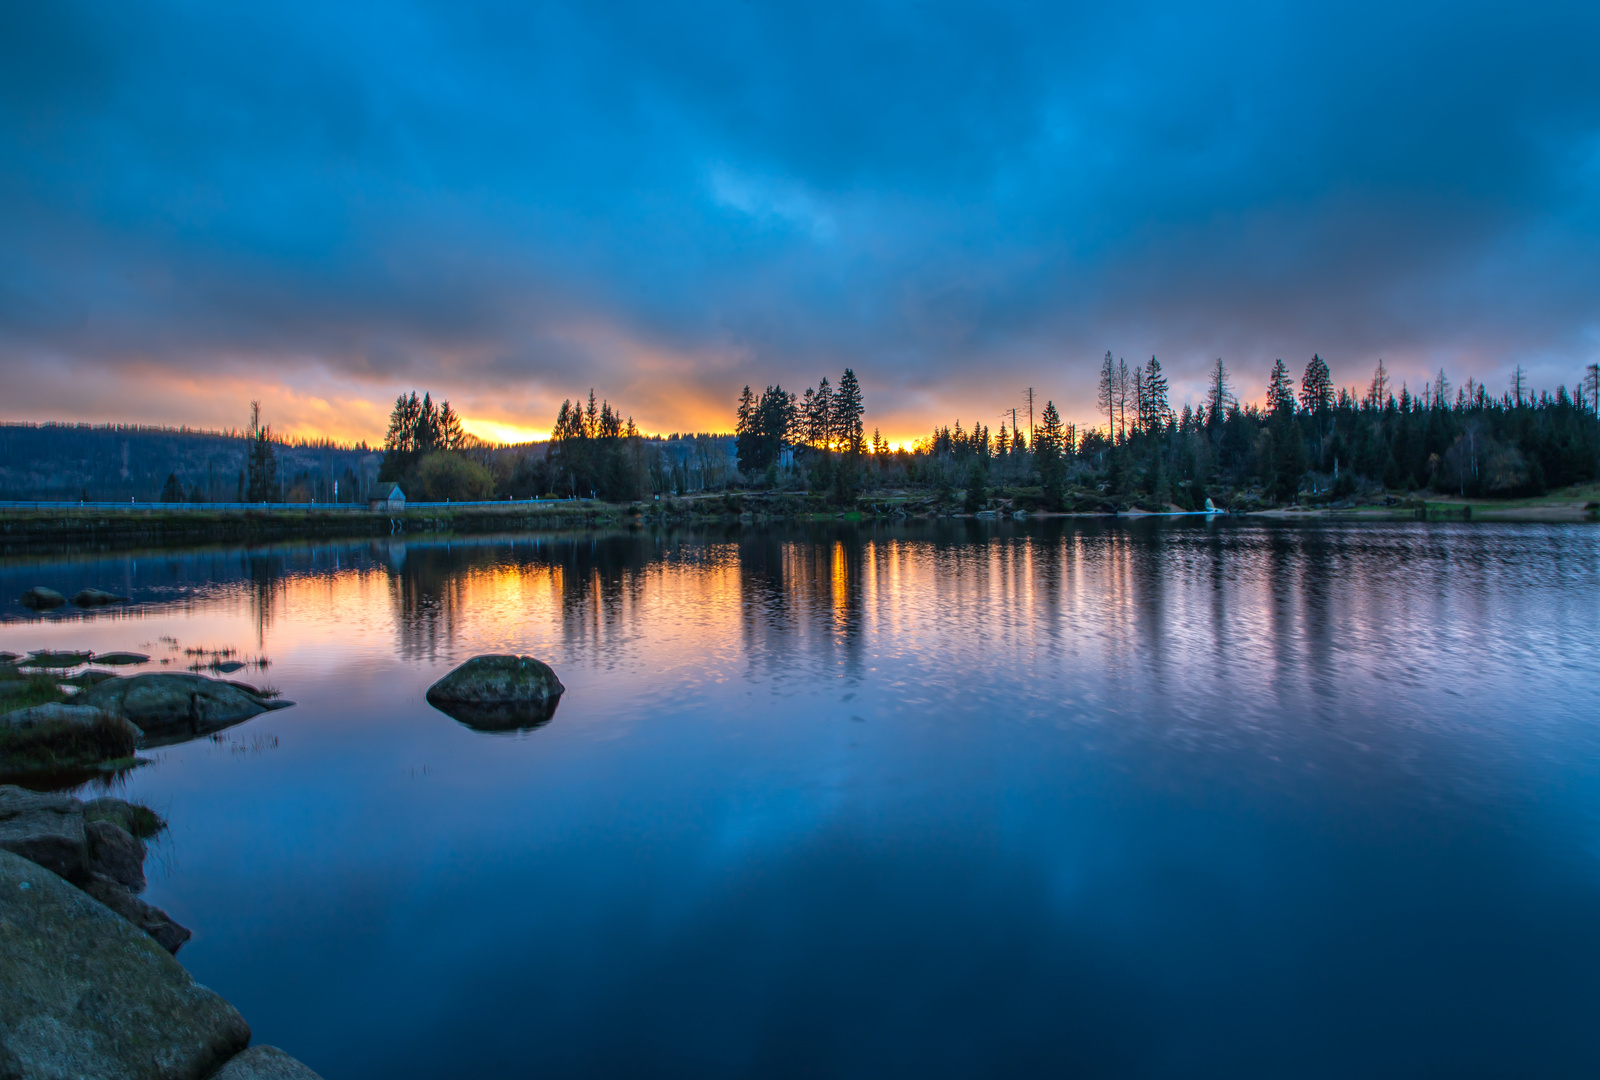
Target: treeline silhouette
{"type": "Point", "coordinates": [1317, 443]}
{"type": "Point", "coordinates": [119, 462]}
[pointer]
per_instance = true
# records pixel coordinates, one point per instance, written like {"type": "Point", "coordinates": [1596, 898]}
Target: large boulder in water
{"type": "Point", "coordinates": [499, 693]}
{"type": "Point", "coordinates": [84, 992]}
{"type": "Point", "coordinates": [172, 705]}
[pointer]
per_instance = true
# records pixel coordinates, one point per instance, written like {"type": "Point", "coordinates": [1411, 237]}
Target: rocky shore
{"type": "Point", "coordinates": [107, 717]}
{"type": "Point", "coordinates": [89, 987]}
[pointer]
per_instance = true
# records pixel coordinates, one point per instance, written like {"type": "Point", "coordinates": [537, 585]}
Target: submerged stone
{"type": "Point", "coordinates": [96, 598]}
{"type": "Point", "coordinates": [115, 659]}
{"type": "Point", "coordinates": [40, 597]}
{"type": "Point", "coordinates": [56, 661]}
{"type": "Point", "coordinates": [84, 992]}
{"type": "Point", "coordinates": [499, 693]}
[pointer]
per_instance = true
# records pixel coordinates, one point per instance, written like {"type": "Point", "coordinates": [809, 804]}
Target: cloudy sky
{"type": "Point", "coordinates": [321, 205]}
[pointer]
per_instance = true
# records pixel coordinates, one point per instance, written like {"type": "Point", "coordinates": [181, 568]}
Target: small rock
{"type": "Point", "coordinates": [118, 658]}
{"type": "Point", "coordinates": [147, 917]}
{"type": "Point", "coordinates": [56, 661]}
{"type": "Point", "coordinates": [85, 993]}
{"type": "Point", "coordinates": [265, 1063]}
{"type": "Point", "coordinates": [39, 598]}
{"type": "Point", "coordinates": [498, 693]}
{"type": "Point", "coordinates": [115, 853]}
{"type": "Point", "coordinates": [95, 598]}
{"type": "Point", "coordinates": [45, 829]}
{"type": "Point", "coordinates": [228, 667]}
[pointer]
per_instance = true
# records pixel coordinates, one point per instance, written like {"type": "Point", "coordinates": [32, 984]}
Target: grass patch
{"type": "Point", "coordinates": [42, 689]}
{"type": "Point", "coordinates": [138, 819]}
{"type": "Point", "coordinates": [58, 746]}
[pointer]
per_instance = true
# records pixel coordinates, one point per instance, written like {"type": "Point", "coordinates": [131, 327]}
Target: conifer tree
{"type": "Point", "coordinates": [1219, 395]}
{"type": "Point", "coordinates": [1107, 397]}
{"type": "Point", "coordinates": [821, 433]}
{"type": "Point", "coordinates": [261, 464]}
{"type": "Point", "coordinates": [1155, 389]}
{"type": "Point", "coordinates": [847, 412]}
{"type": "Point", "coordinates": [1280, 388]}
{"type": "Point", "coordinates": [1316, 387]}
{"type": "Point", "coordinates": [747, 437]}
{"type": "Point", "coordinates": [450, 433]}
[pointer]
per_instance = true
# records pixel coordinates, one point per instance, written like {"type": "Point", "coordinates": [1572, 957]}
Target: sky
{"type": "Point", "coordinates": [321, 205]}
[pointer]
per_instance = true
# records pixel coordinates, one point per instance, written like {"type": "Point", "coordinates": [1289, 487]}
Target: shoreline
{"type": "Point", "coordinates": [28, 531]}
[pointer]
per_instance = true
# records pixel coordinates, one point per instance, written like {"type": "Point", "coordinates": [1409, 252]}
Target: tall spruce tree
{"type": "Point", "coordinates": [1280, 388]}
{"type": "Point", "coordinates": [1316, 387]}
{"type": "Point", "coordinates": [747, 435]}
{"type": "Point", "coordinates": [847, 412]}
{"type": "Point", "coordinates": [1155, 389]}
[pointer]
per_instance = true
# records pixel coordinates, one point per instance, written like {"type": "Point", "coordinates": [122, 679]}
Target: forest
{"type": "Point", "coordinates": [1311, 444]}
{"type": "Point", "coordinates": [1308, 443]}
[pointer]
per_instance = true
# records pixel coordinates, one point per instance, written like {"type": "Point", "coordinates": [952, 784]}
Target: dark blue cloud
{"type": "Point", "coordinates": [952, 198]}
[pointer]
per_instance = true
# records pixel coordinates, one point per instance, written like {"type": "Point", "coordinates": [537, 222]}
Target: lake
{"type": "Point", "coordinates": [1098, 798]}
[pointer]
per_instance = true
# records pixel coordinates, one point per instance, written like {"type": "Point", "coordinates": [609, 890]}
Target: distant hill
{"type": "Point", "coordinates": [106, 462]}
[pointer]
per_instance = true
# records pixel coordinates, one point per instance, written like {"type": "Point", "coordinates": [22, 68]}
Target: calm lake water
{"type": "Point", "coordinates": [1139, 799]}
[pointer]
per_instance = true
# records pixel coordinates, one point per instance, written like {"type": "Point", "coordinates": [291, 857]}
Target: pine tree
{"type": "Point", "coordinates": [1441, 391]}
{"type": "Point", "coordinates": [821, 433]}
{"type": "Point", "coordinates": [1280, 388]}
{"type": "Point", "coordinates": [808, 417]}
{"type": "Point", "coordinates": [1107, 397]}
{"type": "Point", "coordinates": [1316, 387]}
{"type": "Point", "coordinates": [1219, 395]}
{"type": "Point", "coordinates": [847, 413]}
{"type": "Point", "coordinates": [1155, 390]}
{"type": "Point", "coordinates": [450, 433]}
{"type": "Point", "coordinates": [261, 461]}
{"type": "Point", "coordinates": [1378, 389]}
{"type": "Point", "coordinates": [747, 437]}
{"type": "Point", "coordinates": [1123, 390]}
{"type": "Point", "coordinates": [426, 438]}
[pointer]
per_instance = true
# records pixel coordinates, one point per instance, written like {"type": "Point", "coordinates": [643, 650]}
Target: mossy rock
{"type": "Point", "coordinates": [499, 693]}
{"type": "Point", "coordinates": [54, 737]}
{"type": "Point", "coordinates": [170, 706]}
